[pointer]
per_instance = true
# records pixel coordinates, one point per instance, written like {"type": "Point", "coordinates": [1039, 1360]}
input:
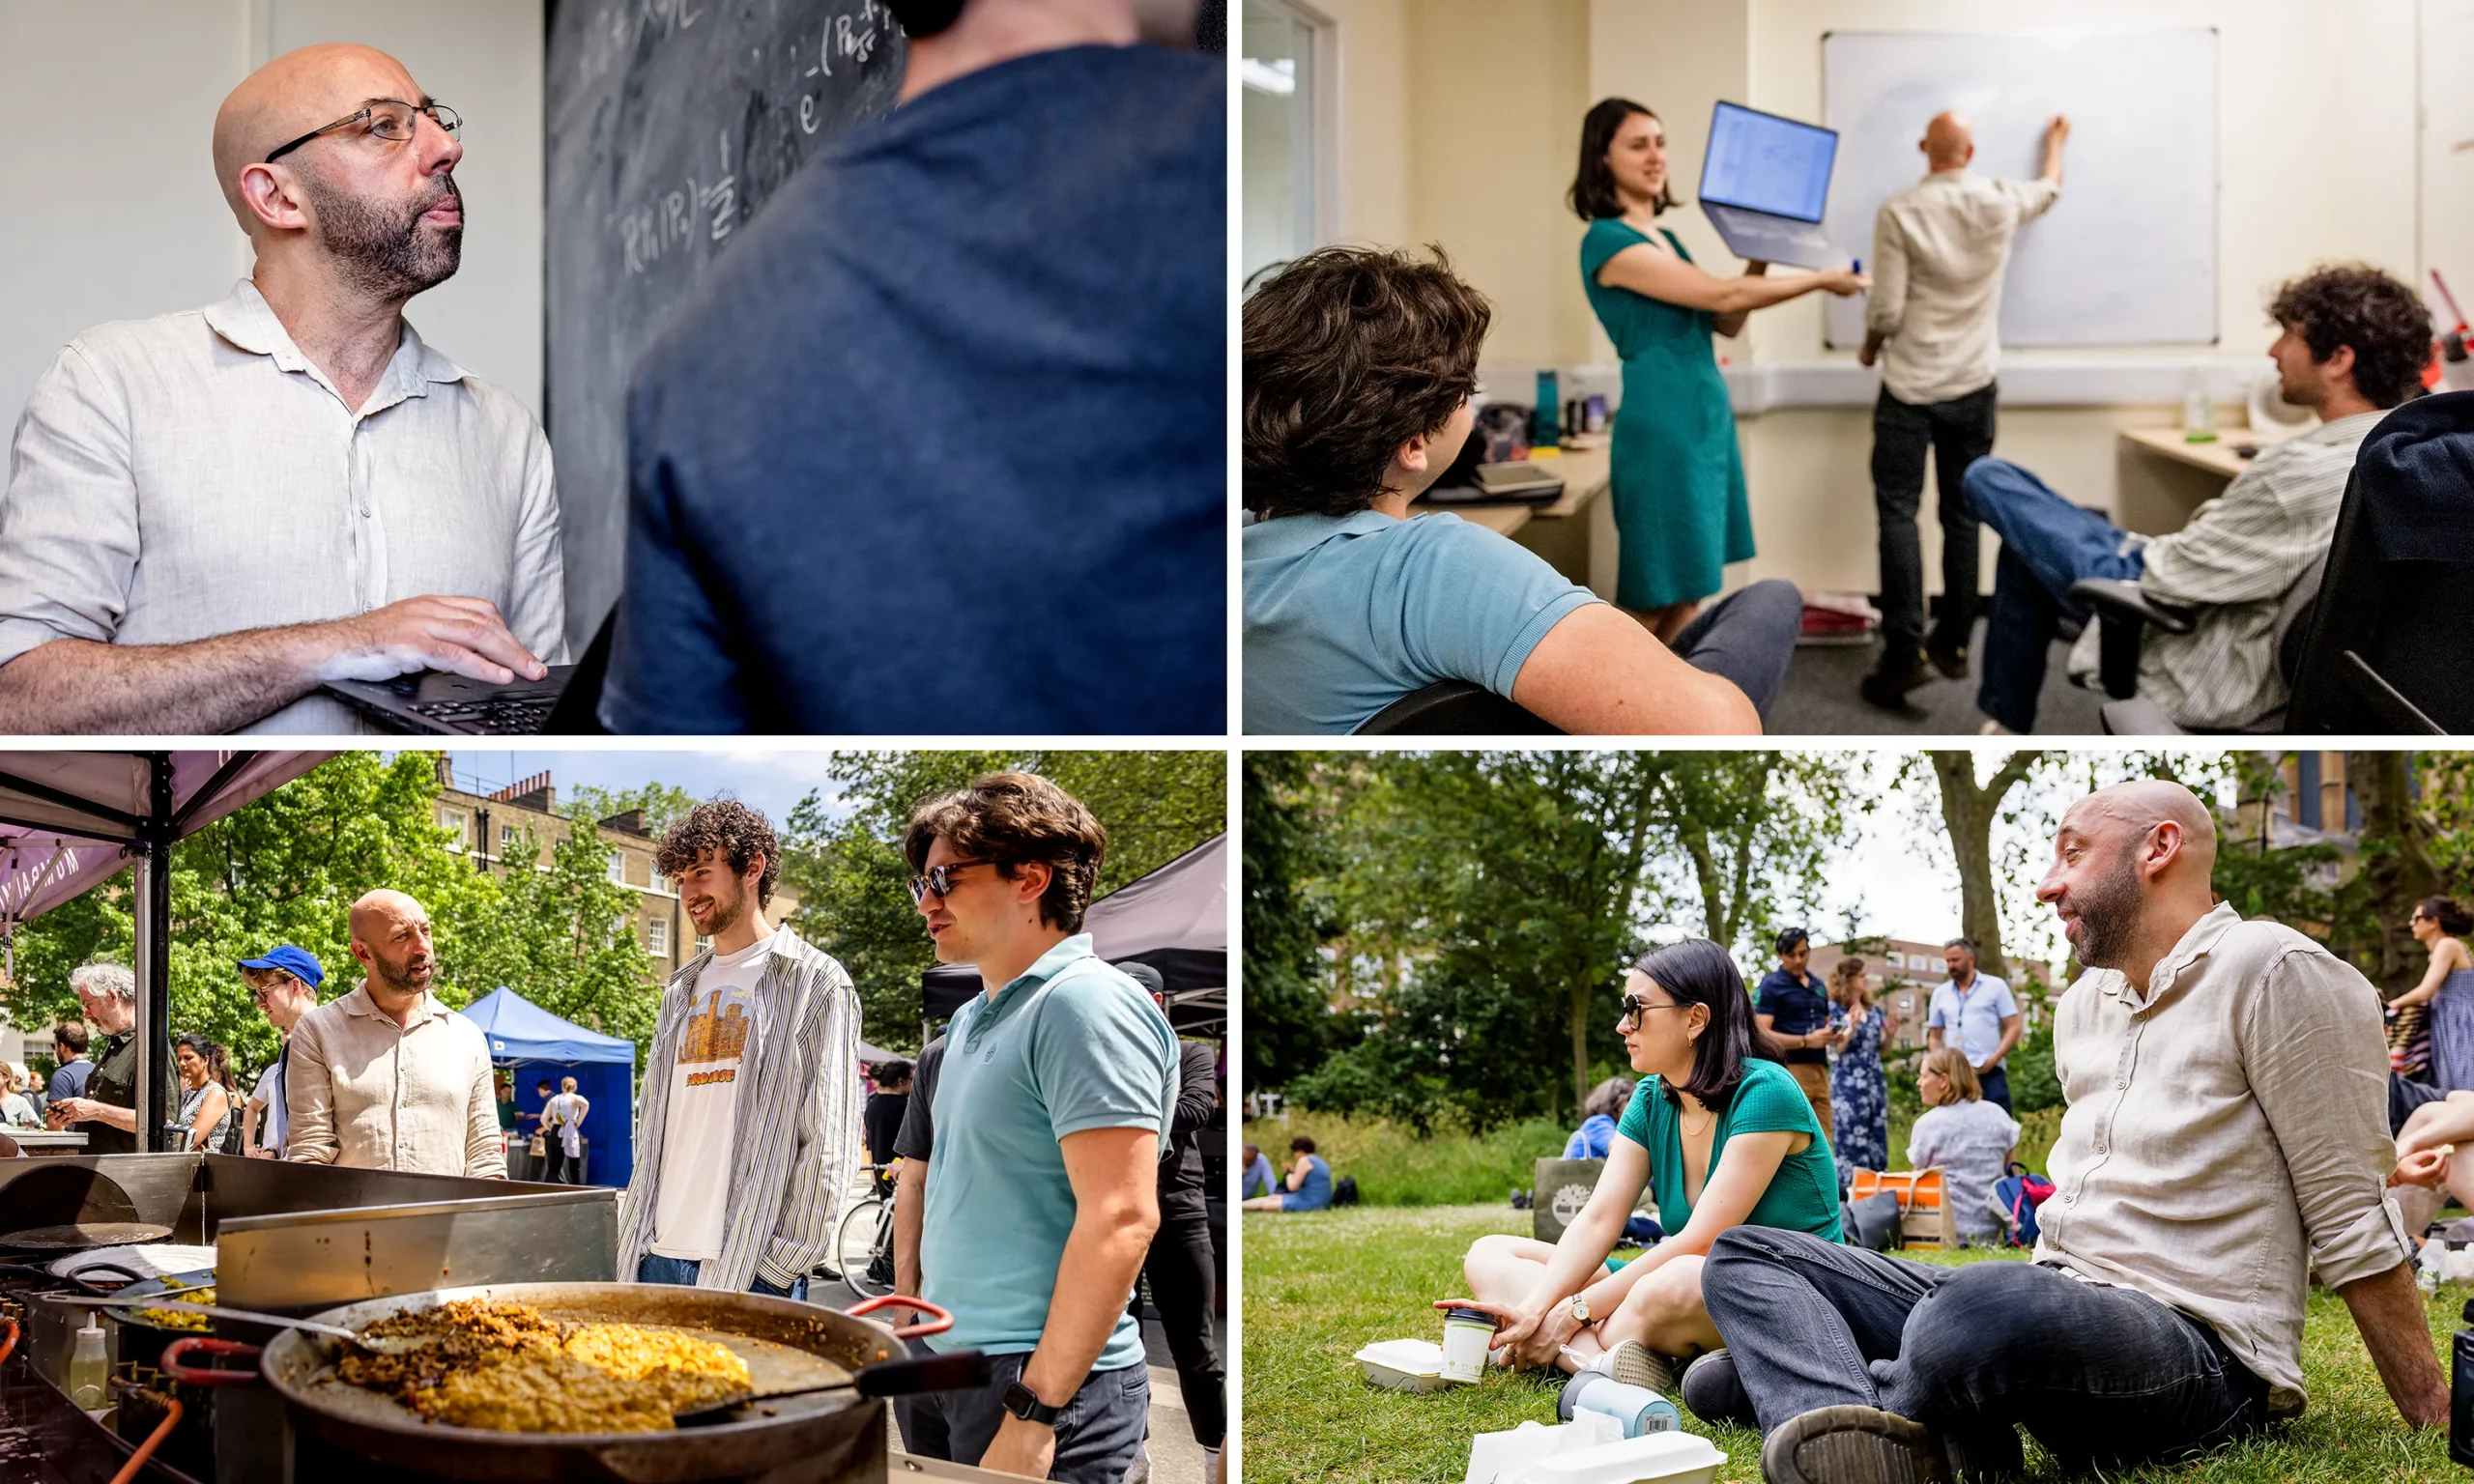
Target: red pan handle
{"type": "Point", "coordinates": [207, 1375]}
{"type": "Point", "coordinates": [937, 1325]}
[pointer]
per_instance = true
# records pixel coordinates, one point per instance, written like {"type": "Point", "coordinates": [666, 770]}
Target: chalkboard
{"type": "Point", "coordinates": [2128, 255]}
{"type": "Point", "coordinates": [671, 122]}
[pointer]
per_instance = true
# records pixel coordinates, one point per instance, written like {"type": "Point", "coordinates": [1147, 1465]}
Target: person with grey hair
{"type": "Point", "coordinates": [107, 1113]}
{"type": "Point", "coordinates": [1980, 1011]}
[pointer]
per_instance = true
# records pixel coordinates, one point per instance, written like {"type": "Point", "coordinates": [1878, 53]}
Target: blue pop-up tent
{"type": "Point", "coordinates": [538, 1044]}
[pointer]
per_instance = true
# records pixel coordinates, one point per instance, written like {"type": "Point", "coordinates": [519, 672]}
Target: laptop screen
{"type": "Point", "coordinates": [1765, 163]}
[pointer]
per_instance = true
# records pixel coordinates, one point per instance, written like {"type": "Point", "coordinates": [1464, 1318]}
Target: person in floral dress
{"type": "Point", "coordinates": [1857, 1084]}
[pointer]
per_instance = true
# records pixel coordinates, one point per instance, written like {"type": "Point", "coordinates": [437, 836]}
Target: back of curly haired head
{"type": "Point", "coordinates": [2356, 305]}
{"type": "Point", "coordinates": [1017, 819]}
{"type": "Point", "coordinates": [1350, 353]}
{"type": "Point", "coordinates": [736, 831]}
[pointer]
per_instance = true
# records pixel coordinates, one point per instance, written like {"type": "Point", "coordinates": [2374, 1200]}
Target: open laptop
{"type": "Point", "coordinates": [1765, 183]}
{"type": "Point", "coordinates": [560, 704]}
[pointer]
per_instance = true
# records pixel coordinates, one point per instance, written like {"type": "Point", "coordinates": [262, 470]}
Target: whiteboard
{"type": "Point", "coordinates": [2128, 255]}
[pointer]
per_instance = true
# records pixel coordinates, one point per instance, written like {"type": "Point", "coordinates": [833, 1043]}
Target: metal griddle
{"type": "Point", "coordinates": [785, 1344]}
{"type": "Point", "coordinates": [78, 1236]}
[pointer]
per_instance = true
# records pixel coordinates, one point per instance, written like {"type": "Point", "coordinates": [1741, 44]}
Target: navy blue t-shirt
{"type": "Point", "coordinates": [1796, 1008]}
{"type": "Point", "coordinates": [939, 446]}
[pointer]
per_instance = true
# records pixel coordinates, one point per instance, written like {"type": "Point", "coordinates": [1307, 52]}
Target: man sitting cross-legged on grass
{"type": "Point", "coordinates": [1722, 1135]}
{"type": "Point", "coordinates": [2225, 1136]}
{"type": "Point", "coordinates": [1360, 365]}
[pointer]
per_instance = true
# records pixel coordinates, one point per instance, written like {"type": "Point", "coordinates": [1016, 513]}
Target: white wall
{"type": "Point", "coordinates": [106, 108]}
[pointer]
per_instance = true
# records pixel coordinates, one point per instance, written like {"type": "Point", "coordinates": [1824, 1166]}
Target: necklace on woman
{"type": "Point", "coordinates": [1709, 1116]}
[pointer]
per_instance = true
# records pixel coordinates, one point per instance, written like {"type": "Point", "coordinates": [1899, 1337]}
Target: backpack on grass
{"type": "Point", "coordinates": [1345, 1190]}
{"type": "Point", "coordinates": [2016, 1195]}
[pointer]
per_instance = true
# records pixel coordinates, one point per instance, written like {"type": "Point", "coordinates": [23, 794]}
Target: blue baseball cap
{"type": "Point", "coordinates": [299, 962]}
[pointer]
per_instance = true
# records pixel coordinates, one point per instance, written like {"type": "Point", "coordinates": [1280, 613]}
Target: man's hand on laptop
{"type": "Point", "coordinates": [463, 636]}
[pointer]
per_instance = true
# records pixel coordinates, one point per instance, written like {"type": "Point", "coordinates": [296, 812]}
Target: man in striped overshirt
{"type": "Point", "coordinates": [750, 1128]}
{"type": "Point", "coordinates": [2353, 342]}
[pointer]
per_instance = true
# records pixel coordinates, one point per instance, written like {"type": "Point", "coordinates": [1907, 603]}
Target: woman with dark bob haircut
{"type": "Point", "coordinates": [1678, 476]}
{"type": "Point", "coordinates": [1719, 1132]}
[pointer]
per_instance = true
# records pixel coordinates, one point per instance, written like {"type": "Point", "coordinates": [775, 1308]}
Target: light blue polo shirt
{"type": "Point", "coordinates": [1977, 1016]}
{"type": "Point", "coordinates": [1347, 614]}
{"type": "Point", "coordinates": [1070, 1045]}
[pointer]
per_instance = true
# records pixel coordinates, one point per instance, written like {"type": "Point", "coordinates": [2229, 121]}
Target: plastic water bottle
{"type": "Point", "coordinates": [2460, 1395]}
{"type": "Point", "coordinates": [1550, 406]}
{"type": "Point", "coordinates": [1639, 1410]}
{"type": "Point", "coordinates": [2199, 407]}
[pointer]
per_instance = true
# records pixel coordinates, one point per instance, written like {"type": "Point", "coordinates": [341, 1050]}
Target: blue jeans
{"type": "Point", "coordinates": [1997, 1089]}
{"type": "Point", "coordinates": [2046, 544]}
{"type": "Point", "coordinates": [2098, 1374]}
{"type": "Point", "coordinates": [653, 1267]}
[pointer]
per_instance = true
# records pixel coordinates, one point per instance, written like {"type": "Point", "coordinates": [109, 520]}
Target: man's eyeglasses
{"type": "Point", "coordinates": [1635, 1007]}
{"type": "Point", "coordinates": [387, 118]}
{"type": "Point", "coordinates": [938, 879]}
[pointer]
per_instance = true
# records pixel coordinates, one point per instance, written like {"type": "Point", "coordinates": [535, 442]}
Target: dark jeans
{"type": "Point", "coordinates": [653, 1267]}
{"type": "Point", "coordinates": [1183, 1282]}
{"type": "Point", "coordinates": [1997, 1088]}
{"type": "Point", "coordinates": [1747, 637]}
{"type": "Point", "coordinates": [1096, 1435]}
{"type": "Point", "coordinates": [1959, 432]}
{"type": "Point", "coordinates": [559, 1170]}
{"type": "Point", "coordinates": [2098, 1374]}
{"type": "Point", "coordinates": [2046, 544]}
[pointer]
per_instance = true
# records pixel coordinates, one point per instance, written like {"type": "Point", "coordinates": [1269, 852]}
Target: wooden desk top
{"type": "Point", "coordinates": [1585, 473]}
{"type": "Point", "coordinates": [2217, 458]}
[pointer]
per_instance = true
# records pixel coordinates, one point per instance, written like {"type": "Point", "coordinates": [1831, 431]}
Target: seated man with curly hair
{"type": "Point", "coordinates": [2352, 343]}
{"type": "Point", "coordinates": [1360, 365]}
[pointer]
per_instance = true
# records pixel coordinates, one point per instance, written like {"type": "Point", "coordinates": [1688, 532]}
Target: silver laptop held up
{"type": "Point", "coordinates": [1765, 184]}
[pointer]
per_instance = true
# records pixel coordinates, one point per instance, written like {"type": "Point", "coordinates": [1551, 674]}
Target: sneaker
{"type": "Point", "coordinates": [1994, 729]}
{"type": "Point", "coordinates": [1852, 1446]}
{"type": "Point", "coordinates": [1138, 1471]}
{"type": "Point", "coordinates": [1715, 1392]}
{"type": "Point", "coordinates": [1635, 1364]}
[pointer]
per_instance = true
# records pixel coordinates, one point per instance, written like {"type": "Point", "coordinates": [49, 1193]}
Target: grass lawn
{"type": "Point", "coordinates": [1319, 1286]}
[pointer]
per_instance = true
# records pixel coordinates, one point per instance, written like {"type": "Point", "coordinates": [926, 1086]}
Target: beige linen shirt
{"type": "Point", "coordinates": [1940, 248]}
{"type": "Point", "coordinates": [190, 475]}
{"type": "Point", "coordinates": [365, 1093]}
{"type": "Point", "coordinates": [2227, 1136]}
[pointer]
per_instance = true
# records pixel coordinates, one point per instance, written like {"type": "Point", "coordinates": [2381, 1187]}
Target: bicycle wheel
{"type": "Point", "coordinates": [855, 1245]}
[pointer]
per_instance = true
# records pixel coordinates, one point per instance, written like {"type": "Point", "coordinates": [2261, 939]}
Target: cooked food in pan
{"type": "Point", "coordinates": [506, 1367]}
{"type": "Point", "coordinates": [181, 1318]}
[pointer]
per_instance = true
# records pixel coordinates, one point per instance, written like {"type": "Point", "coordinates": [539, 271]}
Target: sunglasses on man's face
{"type": "Point", "coordinates": [938, 879]}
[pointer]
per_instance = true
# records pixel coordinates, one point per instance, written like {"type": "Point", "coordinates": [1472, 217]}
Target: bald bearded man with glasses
{"type": "Point", "coordinates": [211, 513]}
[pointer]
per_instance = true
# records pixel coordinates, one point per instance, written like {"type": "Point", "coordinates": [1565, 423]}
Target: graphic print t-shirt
{"type": "Point", "coordinates": [702, 1116]}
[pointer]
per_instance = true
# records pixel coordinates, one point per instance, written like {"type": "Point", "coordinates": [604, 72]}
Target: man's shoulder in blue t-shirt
{"type": "Point", "coordinates": [940, 442]}
{"type": "Point", "coordinates": [1347, 614]}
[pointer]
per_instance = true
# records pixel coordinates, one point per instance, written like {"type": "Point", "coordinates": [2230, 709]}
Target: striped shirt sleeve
{"type": "Point", "coordinates": [826, 1154]}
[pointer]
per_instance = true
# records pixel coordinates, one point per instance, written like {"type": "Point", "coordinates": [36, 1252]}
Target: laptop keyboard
{"type": "Point", "coordinates": [503, 714]}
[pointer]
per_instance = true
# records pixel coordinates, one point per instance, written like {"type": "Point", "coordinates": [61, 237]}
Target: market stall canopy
{"type": "Point", "coordinates": [1175, 919]}
{"type": "Point", "coordinates": [538, 1044]}
{"type": "Point", "coordinates": [66, 817]}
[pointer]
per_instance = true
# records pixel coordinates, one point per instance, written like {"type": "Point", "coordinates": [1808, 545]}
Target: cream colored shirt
{"type": "Point", "coordinates": [1938, 251]}
{"type": "Point", "coordinates": [2227, 1136]}
{"type": "Point", "coordinates": [367, 1094]}
{"type": "Point", "coordinates": [194, 474]}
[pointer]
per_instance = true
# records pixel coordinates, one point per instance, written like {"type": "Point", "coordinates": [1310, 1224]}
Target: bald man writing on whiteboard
{"type": "Point", "coordinates": [1938, 251]}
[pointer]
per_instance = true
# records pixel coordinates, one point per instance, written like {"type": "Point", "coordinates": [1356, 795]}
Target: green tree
{"type": "Point", "coordinates": [842, 849]}
{"type": "Point", "coordinates": [563, 936]}
{"type": "Point", "coordinates": [1288, 1023]}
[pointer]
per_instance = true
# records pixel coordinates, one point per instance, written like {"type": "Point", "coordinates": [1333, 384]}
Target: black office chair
{"type": "Point", "coordinates": [1456, 708]}
{"type": "Point", "coordinates": [2124, 613]}
{"type": "Point", "coordinates": [2390, 644]}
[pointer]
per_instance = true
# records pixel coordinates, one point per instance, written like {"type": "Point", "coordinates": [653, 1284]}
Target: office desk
{"type": "Point", "coordinates": [2217, 458]}
{"type": "Point", "coordinates": [1585, 480]}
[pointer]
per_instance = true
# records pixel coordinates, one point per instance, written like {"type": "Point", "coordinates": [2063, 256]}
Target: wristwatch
{"type": "Point", "coordinates": [1025, 1403]}
{"type": "Point", "coordinates": [1580, 1308]}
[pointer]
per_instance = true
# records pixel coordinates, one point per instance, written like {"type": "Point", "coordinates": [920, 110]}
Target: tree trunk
{"type": "Point", "coordinates": [2401, 875]}
{"type": "Point", "coordinates": [1968, 813]}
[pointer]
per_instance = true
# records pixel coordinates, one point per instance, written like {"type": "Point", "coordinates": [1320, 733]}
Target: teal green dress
{"type": "Point", "coordinates": [1802, 1196]}
{"type": "Point", "coordinates": [1678, 476]}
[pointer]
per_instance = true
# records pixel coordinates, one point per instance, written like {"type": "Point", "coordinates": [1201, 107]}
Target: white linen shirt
{"type": "Point", "coordinates": [1939, 249]}
{"type": "Point", "coordinates": [193, 474]}
{"type": "Point", "coordinates": [2225, 1136]}
{"type": "Point", "coordinates": [367, 1094]}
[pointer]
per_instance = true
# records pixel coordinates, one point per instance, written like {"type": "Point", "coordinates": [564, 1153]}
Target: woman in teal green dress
{"type": "Point", "coordinates": [1718, 1132]}
{"type": "Point", "coordinates": [1677, 476]}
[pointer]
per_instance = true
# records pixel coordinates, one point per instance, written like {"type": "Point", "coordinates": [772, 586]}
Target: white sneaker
{"type": "Point", "coordinates": [1994, 729]}
{"type": "Point", "coordinates": [1139, 1471]}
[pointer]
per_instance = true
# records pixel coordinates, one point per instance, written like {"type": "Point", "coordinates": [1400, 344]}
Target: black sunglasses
{"type": "Point", "coordinates": [1634, 1006]}
{"type": "Point", "coordinates": [938, 879]}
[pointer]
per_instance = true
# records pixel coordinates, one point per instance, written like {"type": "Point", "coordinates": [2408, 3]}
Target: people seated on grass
{"type": "Point", "coordinates": [1360, 365]}
{"type": "Point", "coordinates": [1969, 1138]}
{"type": "Point", "coordinates": [2226, 1140]}
{"type": "Point", "coordinates": [1596, 1133]}
{"type": "Point", "coordinates": [2427, 1172]}
{"type": "Point", "coordinates": [1307, 1185]}
{"type": "Point", "coordinates": [1257, 1179]}
{"type": "Point", "coordinates": [2352, 342]}
{"type": "Point", "coordinates": [1719, 1132]}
